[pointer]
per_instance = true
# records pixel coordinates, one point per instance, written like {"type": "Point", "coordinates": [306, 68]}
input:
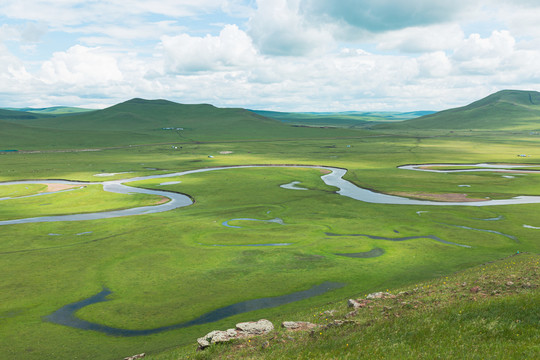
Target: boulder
{"type": "Point", "coordinates": [243, 330]}
{"type": "Point", "coordinates": [216, 336]}
{"type": "Point", "coordinates": [251, 328]}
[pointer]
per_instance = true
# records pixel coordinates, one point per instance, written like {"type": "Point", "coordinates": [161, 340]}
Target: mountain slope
{"type": "Point", "coordinates": [140, 121]}
{"type": "Point", "coordinates": [504, 110]}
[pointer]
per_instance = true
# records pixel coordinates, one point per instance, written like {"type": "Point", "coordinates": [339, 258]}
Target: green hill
{"type": "Point", "coordinates": [20, 115]}
{"type": "Point", "coordinates": [53, 110]}
{"type": "Point", "coordinates": [140, 121]}
{"type": "Point", "coordinates": [504, 110]}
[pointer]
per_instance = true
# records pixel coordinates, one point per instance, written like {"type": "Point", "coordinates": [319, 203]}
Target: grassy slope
{"type": "Point", "coordinates": [504, 110]}
{"type": "Point", "coordinates": [490, 311]}
{"type": "Point", "coordinates": [141, 121]}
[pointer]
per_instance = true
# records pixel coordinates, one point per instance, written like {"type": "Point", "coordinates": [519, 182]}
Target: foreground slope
{"type": "Point", "coordinates": [504, 110]}
{"type": "Point", "coordinates": [140, 121]}
{"type": "Point", "coordinates": [487, 312]}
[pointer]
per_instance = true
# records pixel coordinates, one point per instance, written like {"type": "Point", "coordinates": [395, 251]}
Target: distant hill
{"type": "Point", "coordinates": [504, 110]}
{"type": "Point", "coordinates": [140, 121]}
{"type": "Point", "coordinates": [356, 119]}
{"type": "Point", "coordinates": [53, 110]}
{"type": "Point", "coordinates": [19, 115]}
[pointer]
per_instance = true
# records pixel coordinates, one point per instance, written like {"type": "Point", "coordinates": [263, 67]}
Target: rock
{"type": "Point", "coordinates": [266, 344]}
{"type": "Point", "coordinates": [135, 357]}
{"type": "Point", "coordinates": [509, 283]}
{"type": "Point", "coordinates": [216, 336]}
{"type": "Point", "coordinates": [298, 325]}
{"type": "Point", "coordinates": [243, 330]}
{"type": "Point", "coordinates": [380, 295]}
{"type": "Point", "coordinates": [260, 327]}
{"type": "Point", "coordinates": [474, 289]}
{"type": "Point", "coordinates": [329, 312]}
{"type": "Point", "coordinates": [358, 304]}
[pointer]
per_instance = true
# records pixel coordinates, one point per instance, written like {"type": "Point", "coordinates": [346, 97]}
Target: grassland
{"type": "Point", "coordinates": [163, 269]}
{"type": "Point", "coordinates": [488, 311]}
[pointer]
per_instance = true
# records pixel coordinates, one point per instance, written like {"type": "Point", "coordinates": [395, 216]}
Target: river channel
{"type": "Point", "coordinates": [177, 200]}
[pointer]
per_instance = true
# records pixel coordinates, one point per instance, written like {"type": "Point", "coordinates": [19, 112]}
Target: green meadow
{"type": "Point", "coordinates": [171, 267]}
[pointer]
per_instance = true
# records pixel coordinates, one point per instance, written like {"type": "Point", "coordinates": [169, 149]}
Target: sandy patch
{"type": "Point", "coordinates": [225, 152]}
{"type": "Point", "coordinates": [162, 200]}
{"type": "Point", "coordinates": [59, 187]}
{"type": "Point", "coordinates": [451, 197]}
{"type": "Point", "coordinates": [325, 171]}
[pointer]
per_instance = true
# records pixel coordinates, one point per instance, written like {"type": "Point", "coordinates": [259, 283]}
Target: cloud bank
{"type": "Point", "coordinates": [295, 55]}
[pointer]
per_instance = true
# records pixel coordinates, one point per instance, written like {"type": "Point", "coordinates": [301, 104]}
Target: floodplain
{"type": "Point", "coordinates": [172, 267]}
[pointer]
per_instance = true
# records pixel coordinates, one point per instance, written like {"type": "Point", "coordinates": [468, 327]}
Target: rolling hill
{"type": "Point", "coordinates": [140, 121]}
{"type": "Point", "coordinates": [504, 110]}
{"type": "Point", "coordinates": [20, 115]}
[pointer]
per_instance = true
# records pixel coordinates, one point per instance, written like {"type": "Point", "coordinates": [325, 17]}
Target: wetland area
{"type": "Point", "coordinates": [164, 255]}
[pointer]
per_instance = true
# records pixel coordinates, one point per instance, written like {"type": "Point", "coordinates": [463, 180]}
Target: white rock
{"type": "Point", "coordinates": [260, 327]}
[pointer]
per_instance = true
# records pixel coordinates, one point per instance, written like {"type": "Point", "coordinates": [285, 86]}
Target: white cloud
{"type": "Point", "coordinates": [277, 28]}
{"type": "Point", "coordinates": [484, 55]}
{"type": "Point", "coordinates": [81, 66]}
{"type": "Point", "coordinates": [435, 64]}
{"type": "Point", "coordinates": [231, 48]}
{"type": "Point", "coordinates": [422, 39]}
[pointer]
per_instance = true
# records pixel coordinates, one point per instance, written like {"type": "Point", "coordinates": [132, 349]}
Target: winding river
{"type": "Point", "coordinates": [177, 200]}
{"type": "Point", "coordinates": [66, 315]}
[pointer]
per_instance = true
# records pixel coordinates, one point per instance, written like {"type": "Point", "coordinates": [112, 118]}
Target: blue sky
{"type": "Point", "coordinates": [289, 55]}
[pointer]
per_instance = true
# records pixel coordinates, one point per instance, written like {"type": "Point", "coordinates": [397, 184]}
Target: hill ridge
{"type": "Point", "coordinates": [503, 110]}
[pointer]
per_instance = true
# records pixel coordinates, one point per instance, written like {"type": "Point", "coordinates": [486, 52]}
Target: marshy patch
{"type": "Point", "coordinates": [376, 252]}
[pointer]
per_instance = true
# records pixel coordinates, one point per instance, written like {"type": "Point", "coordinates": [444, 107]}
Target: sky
{"type": "Point", "coordinates": [282, 55]}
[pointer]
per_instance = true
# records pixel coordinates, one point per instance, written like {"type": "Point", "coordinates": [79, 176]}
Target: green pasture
{"type": "Point", "coordinates": [164, 269]}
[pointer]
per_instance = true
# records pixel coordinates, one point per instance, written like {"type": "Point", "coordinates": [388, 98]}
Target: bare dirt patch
{"type": "Point", "coordinates": [450, 197]}
{"type": "Point", "coordinates": [59, 187]}
{"type": "Point", "coordinates": [162, 200]}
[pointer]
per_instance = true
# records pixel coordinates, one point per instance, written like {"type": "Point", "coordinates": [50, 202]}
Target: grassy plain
{"type": "Point", "coordinates": [163, 269]}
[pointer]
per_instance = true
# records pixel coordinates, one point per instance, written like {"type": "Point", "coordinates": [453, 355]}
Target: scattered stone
{"type": "Point", "coordinates": [357, 304]}
{"type": "Point", "coordinates": [474, 289]}
{"type": "Point", "coordinates": [509, 283]}
{"type": "Point", "coordinates": [243, 330]}
{"type": "Point", "coordinates": [266, 344]}
{"type": "Point", "coordinates": [380, 295]}
{"type": "Point", "coordinates": [135, 357]}
{"type": "Point", "coordinates": [298, 325]}
{"type": "Point", "coordinates": [329, 312]}
{"type": "Point", "coordinates": [351, 314]}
